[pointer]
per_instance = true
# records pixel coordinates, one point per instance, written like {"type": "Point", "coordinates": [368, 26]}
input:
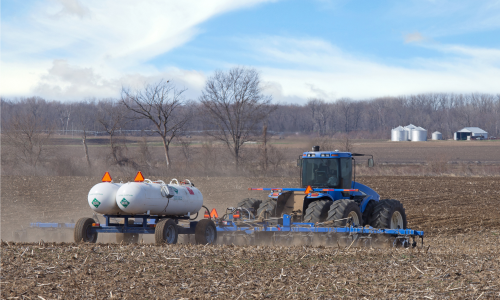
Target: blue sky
{"type": "Point", "coordinates": [72, 50]}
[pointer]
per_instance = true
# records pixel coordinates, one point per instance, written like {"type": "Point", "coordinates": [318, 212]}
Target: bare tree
{"type": "Point", "coordinates": [85, 117]}
{"type": "Point", "coordinates": [28, 129]}
{"type": "Point", "coordinates": [112, 117]}
{"type": "Point", "coordinates": [236, 106]}
{"type": "Point", "coordinates": [320, 114]}
{"type": "Point", "coordinates": [162, 104]}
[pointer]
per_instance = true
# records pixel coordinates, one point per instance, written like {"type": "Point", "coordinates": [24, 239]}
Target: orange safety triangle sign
{"type": "Point", "coordinates": [309, 189]}
{"type": "Point", "coordinates": [106, 177]}
{"type": "Point", "coordinates": [139, 177]}
{"type": "Point", "coordinates": [213, 214]}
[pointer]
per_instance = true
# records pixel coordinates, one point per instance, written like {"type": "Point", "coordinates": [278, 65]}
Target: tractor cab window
{"type": "Point", "coordinates": [346, 171]}
{"type": "Point", "coordinates": [320, 172]}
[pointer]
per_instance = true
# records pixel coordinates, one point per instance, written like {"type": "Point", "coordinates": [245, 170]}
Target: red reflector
{"type": "Point", "coordinates": [276, 194]}
{"type": "Point", "coordinates": [96, 224]}
{"type": "Point", "coordinates": [314, 194]}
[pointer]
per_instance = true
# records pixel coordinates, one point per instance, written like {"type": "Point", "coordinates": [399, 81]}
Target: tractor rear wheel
{"type": "Point", "coordinates": [166, 231]}
{"type": "Point", "coordinates": [345, 210]}
{"type": "Point", "coordinates": [250, 204]}
{"type": "Point", "coordinates": [205, 232]}
{"type": "Point", "coordinates": [83, 231]}
{"type": "Point", "coordinates": [267, 209]}
{"type": "Point", "coordinates": [389, 214]}
{"type": "Point", "coordinates": [128, 238]}
{"type": "Point", "coordinates": [317, 211]}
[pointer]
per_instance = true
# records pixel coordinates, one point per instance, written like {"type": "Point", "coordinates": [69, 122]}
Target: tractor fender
{"type": "Point", "coordinates": [364, 191]}
{"type": "Point", "coordinates": [320, 195]}
{"type": "Point", "coordinates": [365, 202]}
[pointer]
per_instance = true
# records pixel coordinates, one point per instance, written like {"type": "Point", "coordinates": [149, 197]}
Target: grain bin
{"type": "Point", "coordinates": [436, 136]}
{"type": "Point", "coordinates": [409, 129]}
{"type": "Point", "coordinates": [398, 134]}
{"type": "Point", "coordinates": [419, 135]}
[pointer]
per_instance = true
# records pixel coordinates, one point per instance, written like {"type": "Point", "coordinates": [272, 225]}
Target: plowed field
{"type": "Point", "coordinates": [460, 260]}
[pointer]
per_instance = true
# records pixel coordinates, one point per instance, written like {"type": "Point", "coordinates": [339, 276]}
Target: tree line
{"type": "Point", "coordinates": [233, 108]}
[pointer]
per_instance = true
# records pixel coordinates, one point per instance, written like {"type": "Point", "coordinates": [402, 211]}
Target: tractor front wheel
{"type": "Point", "coordinates": [317, 211]}
{"type": "Point", "coordinates": [342, 211]}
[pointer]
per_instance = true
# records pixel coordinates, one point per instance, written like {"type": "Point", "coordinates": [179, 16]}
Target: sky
{"type": "Point", "coordinates": [71, 50]}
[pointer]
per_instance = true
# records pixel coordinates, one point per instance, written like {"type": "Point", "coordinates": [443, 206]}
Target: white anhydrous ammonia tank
{"type": "Point", "coordinates": [159, 198]}
{"type": "Point", "coordinates": [102, 197]}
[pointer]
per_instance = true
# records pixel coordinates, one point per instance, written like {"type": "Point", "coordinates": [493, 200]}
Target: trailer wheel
{"type": "Point", "coordinates": [317, 211]}
{"type": "Point", "coordinates": [267, 209]}
{"type": "Point", "coordinates": [128, 238]}
{"type": "Point", "coordinates": [205, 232]}
{"type": "Point", "coordinates": [250, 203]}
{"type": "Point", "coordinates": [166, 231]}
{"type": "Point", "coordinates": [83, 231]}
{"type": "Point", "coordinates": [389, 214]}
{"type": "Point", "coordinates": [343, 210]}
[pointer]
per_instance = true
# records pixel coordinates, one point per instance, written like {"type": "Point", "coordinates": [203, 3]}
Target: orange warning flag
{"type": "Point", "coordinates": [213, 214]}
{"type": "Point", "coordinates": [106, 177]}
{"type": "Point", "coordinates": [139, 177]}
{"type": "Point", "coordinates": [309, 189]}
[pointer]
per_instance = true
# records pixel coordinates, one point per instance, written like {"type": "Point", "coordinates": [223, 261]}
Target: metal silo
{"type": "Point", "coordinates": [419, 135]}
{"type": "Point", "coordinates": [398, 134]}
{"type": "Point", "coordinates": [437, 136]}
{"type": "Point", "coordinates": [409, 129]}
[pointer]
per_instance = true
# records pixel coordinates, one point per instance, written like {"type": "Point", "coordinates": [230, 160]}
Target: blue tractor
{"type": "Point", "coordinates": [329, 195]}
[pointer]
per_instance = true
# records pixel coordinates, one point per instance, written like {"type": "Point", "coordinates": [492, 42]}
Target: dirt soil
{"type": "Point", "coordinates": [460, 216]}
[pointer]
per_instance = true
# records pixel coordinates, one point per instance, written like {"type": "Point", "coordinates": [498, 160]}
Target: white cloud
{"type": "Point", "coordinates": [73, 7]}
{"type": "Point", "coordinates": [318, 69]}
{"type": "Point", "coordinates": [103, 41]}
{"type": "Point", "coordinates": [414, 37]}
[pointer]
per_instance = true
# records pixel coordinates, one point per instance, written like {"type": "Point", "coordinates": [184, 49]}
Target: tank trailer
{"type": "Point", "coordinates": [328, 206]}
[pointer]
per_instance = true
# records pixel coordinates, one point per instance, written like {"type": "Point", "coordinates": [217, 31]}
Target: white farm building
{"type": "Point", "coordinates": [468, 133]}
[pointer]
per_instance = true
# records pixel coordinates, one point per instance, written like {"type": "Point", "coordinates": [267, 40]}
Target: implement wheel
{"type": "Point", "coordinates": [250, 204]}
{"type": "Point", "coordinates": [389, 214]}
{"type": "Point", "coordinates": [83, 231]}
{"type": "Point", "coordinates": [317, 211]}
{"type": "Point", "coordinates": [166, 231]}
{"type": "Point", "coordinates": [205, 232]}
{"type": "Point", "coordinates": [128, 238]}
{"type": "Point", "coordinates": [267, 209]}
{"type": "Point", "coordinates": [345, 210]}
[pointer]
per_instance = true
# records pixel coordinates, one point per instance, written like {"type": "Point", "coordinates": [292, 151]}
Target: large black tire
{"type": "Point", "coordinates": [128, 238]}
{"type": "Point", "coordinates": [250, 204]}
{"type": "Point", "coordinates": [388, 214]}
{"type": "Point", "coordinates": [369, 211]}
{"type": "Point", "coordinates": [267, 209]}
{"type": "Point", "coordinates": [205, 232]}
{"type": "Point", "coordinates": [82, 231]}
{"type": "Point", "coordinates": [317, 211]}
{"type": "Point", "coordinates": [342, 210]}
{"type": "Point", "coordinates": [166, 231]}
